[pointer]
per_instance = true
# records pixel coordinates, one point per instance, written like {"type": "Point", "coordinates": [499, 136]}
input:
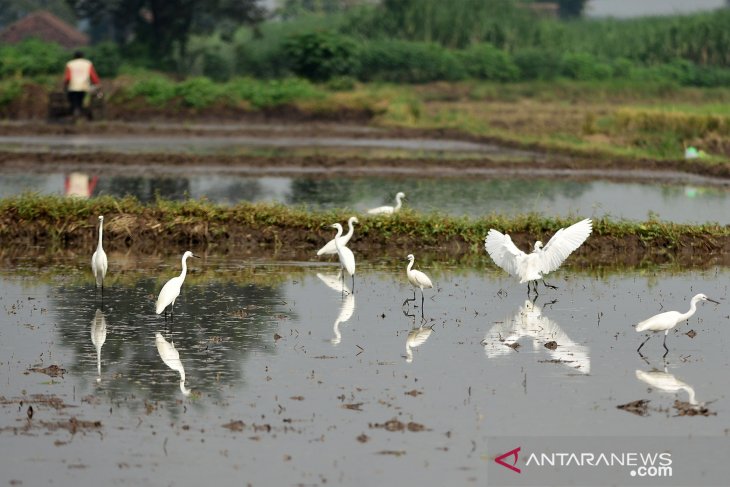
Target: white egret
{"type": "Point", "coordinates": [98, 337]}
{"type": "Point", "coordinates": [417, 279]}
{"type": "Point", "coordinates": [416, 338]}
{"type": "Point", "coordinates": [668, 320]}
{"type": "Point", "coordinates": [347, 259]}
{"type": "Point", "coordinates": [171, 290]}
{"type": "Point", "coordinates": [98, 260]}
{"type": "Point", "coordinates": [664, 381]}
{"type": "Point", "coordinates": [533, 266]}
{"type": "Point", "coordinates": [330, 248]}
{"type": "Point", "coordinates": [388, 210]}
{"type": "Point", "coordinates": [529, 322]}
{"type": "Point", "coordinates": [171, 357]}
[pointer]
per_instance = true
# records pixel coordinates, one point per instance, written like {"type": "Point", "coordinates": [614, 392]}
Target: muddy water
{"type": "Point", "coordinates": [689, 203]}
{"type": "Point", "coordinates": [312, 374]}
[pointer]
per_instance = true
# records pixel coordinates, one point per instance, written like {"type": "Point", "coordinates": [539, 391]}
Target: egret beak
{"type": "Point", "coordinates": [713, 301]}
{"type": "Point", "coordinates": [196, 256]}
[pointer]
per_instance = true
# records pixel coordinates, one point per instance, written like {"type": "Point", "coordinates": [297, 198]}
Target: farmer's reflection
{"type": "Point", "coordinates": [171, 357]}
{"type": "Point", "coordinates": [529, 321]}
{"type": "Point", "coordinates": [98, 337]}
{"type": "Point", "coordinates": [666, 382]}
{"type": "Point", "coordinates": [347, 305]}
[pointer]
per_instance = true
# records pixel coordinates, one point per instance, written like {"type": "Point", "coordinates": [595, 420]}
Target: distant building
{"type": "Point", "coordinates": [45, 26]}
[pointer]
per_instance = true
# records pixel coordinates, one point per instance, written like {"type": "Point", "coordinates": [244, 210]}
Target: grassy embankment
{"type": "Point", "coordinates": [275, 231]}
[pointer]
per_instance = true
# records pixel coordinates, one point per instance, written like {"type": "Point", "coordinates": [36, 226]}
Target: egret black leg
{"type": "Point", "coordinates": [665, 346]}
{"type": "Point", "coordinates": [642, 344]}
{"type": "Point", "coordinates": [409, 299]}
{"type": "Point", "coordinates": [546, 285]}
{"type": "Point", "coordinates": [414, 295]}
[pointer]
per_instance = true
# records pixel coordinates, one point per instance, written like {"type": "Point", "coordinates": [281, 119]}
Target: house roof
{"type": "Point", "coordinates": [45, 26]}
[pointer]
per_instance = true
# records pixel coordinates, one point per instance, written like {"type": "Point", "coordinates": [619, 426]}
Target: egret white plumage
{"type": "Point", "coordinates": [542, 260]}
{"type": "Point", "coordinates": [388, 210]}
{"type": "Point", "coordinates": [171, 290]}
{"type": "Point", "coordinates": [98, 260]}
{"type": "Point", "coordinates": [417, 279]}
{"type": "Point", "coordinates": [330, 247]}
{"type": "Point", "coordinates": [668, 320]}
{"type": "Point", "coordinates": [347, 259]}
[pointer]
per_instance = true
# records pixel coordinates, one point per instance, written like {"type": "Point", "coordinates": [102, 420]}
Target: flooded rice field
{"type": "Point", "coordinates": [504, 194]}
{"type": "Point", "coordinates": [270, 374]}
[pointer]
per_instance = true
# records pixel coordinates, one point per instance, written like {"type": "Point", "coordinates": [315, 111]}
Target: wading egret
{"type": "Point", "coordinates": [171, 290]}
{"type": "Point", "coordinates": [98, 260]}
{"type": "Point", "coordinates": [98, 337]}
{"type": "Point", "coordinates": [542, 260]}
{"type": "Point", "coordinates": [417, 279]}
{"type": "Point", "coordinates": [330, 248]}
{"type": "Point", "coordinates": [388, 210]}
{"type": "Point", "coordinates": [347, 259]}
{"type": "Point", "coordinates": [668, 320]}
{"type": "Point", "coordinates": [416, 338]}
{"type": "Point", "coordinates": [171, 357]}
{"type": "Point", "coordinates": [530, 323]}
{"type": "Point", "coordinates": [664, 381]}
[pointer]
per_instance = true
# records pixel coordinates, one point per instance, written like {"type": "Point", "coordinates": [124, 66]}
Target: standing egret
{"type": "Point", "coordinates": [98, 260]}
{"type": "Point", "coordinates": [171, 290]}
{"type": "Point", "coordinates": [330, 247]}
{"type": "Point", "coordinates": [417, 279]}
{"type": "Point", "coordinates": [388, 210]}
{"type": "Point", "coordinates": [541, 261]}
{"type": "Point", "coordinates": [668, 320]}
{"type": "Point", "coordinates": [347, 259]}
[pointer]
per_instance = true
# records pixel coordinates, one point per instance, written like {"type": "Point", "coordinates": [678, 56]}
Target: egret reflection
{"type": "Point", "coordinates": [347, 308]}
{"type": "Point", "coordinates": [98, 337]}
{"type": "Point", "coordinates": [666, 382]}
{"type": "Point", "coordinates": [530, 322]}
{"type": "Point", "coordinates": [171, 357]}
{"type": "Point", "coordinates": [416, 338]}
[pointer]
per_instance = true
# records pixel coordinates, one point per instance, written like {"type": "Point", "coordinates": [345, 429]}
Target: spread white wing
{"type": "Point", "coordinates": [562, 244]}
{"type": "Point", "coordinates": [503, 252]}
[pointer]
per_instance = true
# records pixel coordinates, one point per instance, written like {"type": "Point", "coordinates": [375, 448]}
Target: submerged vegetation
{"type": "Point", "coordinates": [284, 232]}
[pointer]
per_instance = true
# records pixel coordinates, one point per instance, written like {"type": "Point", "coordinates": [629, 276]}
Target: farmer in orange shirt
{"type": "Point", "coordinates": [77, 80]}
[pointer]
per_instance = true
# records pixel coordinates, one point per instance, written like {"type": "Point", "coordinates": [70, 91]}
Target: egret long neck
{"type": "Point", "coordinates": [350, 230]}
{"type": "Point", "coordinates": [101, 230]}
{"type": "Point", "coordinates": [688, 314]}
{"type": "Point", "coordinates": [410, 266]}
{"type": "Point", "coordinates": [184, 267]}
{"type": "Point", "coordinates": [337, 238]}
{"type": "Point", "coordinates": [397, 203]}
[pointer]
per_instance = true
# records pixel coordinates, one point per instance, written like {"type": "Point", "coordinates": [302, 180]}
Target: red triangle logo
{"type": "Point", "coordinates": [511, 453]}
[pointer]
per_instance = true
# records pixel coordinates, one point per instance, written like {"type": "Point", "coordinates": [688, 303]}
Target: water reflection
{"type": "Point", "coordinates": [416, 338]}
{"type": "Point", "coordinates": [347, 306]}
{"type": "Point", "coordinates": [171, 357]}
{"type": "Point", "coordinates": [666, 382]}
{"type": "Point", "coordinates": [457, 196]}
{"type": "Point", "coordinates": [529, 322]}
{"type": "Point", "coordinates": [98, 337]}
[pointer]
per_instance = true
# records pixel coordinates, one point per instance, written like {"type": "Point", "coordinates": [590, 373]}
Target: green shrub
{"type": "Point", "coordinates": [106, 58]}
{"type": "Point", "coordinates": [408, 62]}
{"type": "Point", "coordinates": [32, 57]}
{"type": "Point", "coordinates": [542, 64]}
{"type": "Point", "coordinates": [9, 90]}
{"type": "Point", "coordinates": [265, 94]}
{"type": "Point", "coordinates": [320, 56]}
{"type": "Point", "coordinates": [585, 67]}
{"type": "Point", "coordinates": [155, 89]}
{"type": "Point", "coordinates": [199, 92]}
{"type": "Point", "coordinates": [484, 61]}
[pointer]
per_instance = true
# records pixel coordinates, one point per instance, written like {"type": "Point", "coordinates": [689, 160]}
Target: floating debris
{"type": "Point", "coordinates": [688, 409]}
{"type": "Point", "coordinates": [51, 370]}
{"type": "Point", "coordinates": [396, 453]}
{"type": "Point", "coordinates": [551, 345]}
{"type": "Point", "coordinates": [413, 393]}
{"type": "Point", "coordinates": [640, 407]}
{"type": "Point", "coordinates": [353, 407]}
{"type": "Point", "coordinates": [363, 438]}
{"type": "Point", "coordinates": [235, 425]}
{"type": "Point", "coordinates": [513, 346]}
{"type": "Point", "coordinates": [396, 425]}
{"type": "Point", "coordinates": [691, 333]}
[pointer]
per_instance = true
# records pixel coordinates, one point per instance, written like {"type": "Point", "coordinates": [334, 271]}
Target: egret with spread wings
{"type": "Point", "coordinates": [542, 260]}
